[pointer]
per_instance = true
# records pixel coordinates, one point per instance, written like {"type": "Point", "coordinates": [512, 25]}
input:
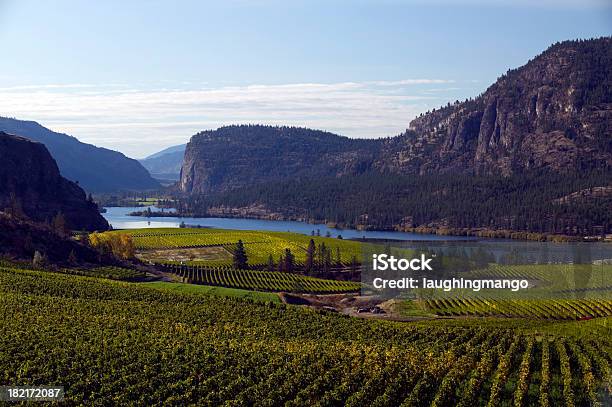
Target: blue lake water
{"type": "Point", "coordinates": [118, 217]}
{"type": "Point", "coordinates": [530, 251]}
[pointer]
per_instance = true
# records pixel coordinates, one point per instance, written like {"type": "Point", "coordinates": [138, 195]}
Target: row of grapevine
{"type": "Point", "coordinates": [558, 278]}
{"type": "Point", "coordinates": [155, 347]}
{"type": "Point", "coordinates": [543, 308]}
{"type": "Point", "coordinates": [260, 280]}
{"type": "Point", "coordinates": [523, 383]}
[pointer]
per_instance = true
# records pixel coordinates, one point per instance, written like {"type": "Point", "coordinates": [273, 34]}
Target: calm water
{"type": "Point", "coordinates": [529, 251]}
{"type": "Point", "coordinates": [119, 219]}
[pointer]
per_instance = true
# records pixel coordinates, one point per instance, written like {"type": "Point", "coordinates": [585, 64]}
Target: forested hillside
{"type": "Point", "coordinates": [531, 153]}
{"type": "Point", "coordinates": [535, 202]}
{"type": "Point", "coordinates": [236, 156]}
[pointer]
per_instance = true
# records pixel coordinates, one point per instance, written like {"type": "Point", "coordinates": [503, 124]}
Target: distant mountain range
{"type": "Point", "coordinates": [95, 169]}
{"type": "Point", "coordinates": [546, 121]}
{"type": "Point", "coordinates": [166, 164]}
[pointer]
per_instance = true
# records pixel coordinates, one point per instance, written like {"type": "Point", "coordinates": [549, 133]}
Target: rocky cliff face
{"type": "Point", "coordinates": [236, 156]}
{"type": "Point", "coordinates": [30, 183]}
{"type": "Point", "coordinates": [555, 112]}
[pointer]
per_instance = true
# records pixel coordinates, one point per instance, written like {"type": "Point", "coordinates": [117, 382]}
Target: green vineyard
{"type": "Point", "coordinates": [118, 343]}
{"type": "Point", "coordinates": [556, 278]}
{"type": "Point", "coordinates": [112, 273]}
{"type": "Point", "coordinates": [565, 309]}
{"type": "Point", "coordinates": [558, 291]}
{"type": "Point", "coordinates": [259, 280]}
{"type": "Point", "coordinates": [159, 244]}
{"type": "Point", "coordinates": [109, 272]}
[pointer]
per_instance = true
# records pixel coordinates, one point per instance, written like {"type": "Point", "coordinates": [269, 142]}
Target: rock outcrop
{"type": "Point", "coordinates": [555, 113]}
{"type": "Point", "coordinates": [31, 185]}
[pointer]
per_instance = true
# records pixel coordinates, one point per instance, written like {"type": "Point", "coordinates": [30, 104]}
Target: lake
{"type": "Point", "coordinates": [531, 251]}
{"type": "Point", "coordinates": [118, 217]}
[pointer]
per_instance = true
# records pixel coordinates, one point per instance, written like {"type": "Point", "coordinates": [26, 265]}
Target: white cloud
{"type": "Point", "coordinates": [142, 121]}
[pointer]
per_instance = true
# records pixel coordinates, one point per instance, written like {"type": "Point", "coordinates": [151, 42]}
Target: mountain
{"type": "Point", "coordinates": [512, 158]}
{"type": "Point", "coordinates": [166, 164]}
{"type": "Point", "coordinates": [32, 186]}
{"type": "Point", "coordinates": [554, 113]}
{"type": "Point", "coordinates": [170, 150]}
{"type": "Point", "coordinates": [237, 156]}
{"type": "Point", "coordinates": [95, 169]}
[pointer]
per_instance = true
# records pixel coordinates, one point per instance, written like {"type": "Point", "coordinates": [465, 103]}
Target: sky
{"type": "Point", "coordinates": [139, 76]}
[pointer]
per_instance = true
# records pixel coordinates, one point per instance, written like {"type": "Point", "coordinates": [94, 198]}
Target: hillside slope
{"type": "Point", "coordinates": [32, 185]}
{"type": "Point", "coordinates": [237, 156]}
{"type": "Point", "coordinates": [20, 239]}
{"type": "Point", "coordinates": [96, 169]}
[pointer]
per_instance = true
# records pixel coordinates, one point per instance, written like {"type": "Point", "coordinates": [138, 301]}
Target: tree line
{"type": "Point", "coordinates": [527, 202]}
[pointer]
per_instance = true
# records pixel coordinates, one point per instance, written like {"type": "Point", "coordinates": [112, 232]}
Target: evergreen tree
{"type": "Point", "coordinates": [289, 261]}
{"type": "Point", "coordinates": [271, 263]}
{"type": "Point", "coordinates": [327, 261]}
{"type": "Point", "coordinates": [281, 264]}
{"type": "Point", "coordinates": [310, 257]}
{"type": "Point", "coordinates": [240, 256]}
{"type": "Point", "coordinates": [354, 264]}
{"type": "Point", "coordinates": [321, 250]}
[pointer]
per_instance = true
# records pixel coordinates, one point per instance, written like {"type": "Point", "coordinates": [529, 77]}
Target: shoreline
{"type": "Point", "coordinates": [469, 234]}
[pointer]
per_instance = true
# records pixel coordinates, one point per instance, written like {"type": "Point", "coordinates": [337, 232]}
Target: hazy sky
{"type": "Point", "coordinates": [138, 76]}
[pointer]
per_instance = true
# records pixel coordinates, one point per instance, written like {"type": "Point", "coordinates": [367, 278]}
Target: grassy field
{"type": "Point", "coordinates": [110, 342]}
{"type": "Point", "coordinates": [204, 256]}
